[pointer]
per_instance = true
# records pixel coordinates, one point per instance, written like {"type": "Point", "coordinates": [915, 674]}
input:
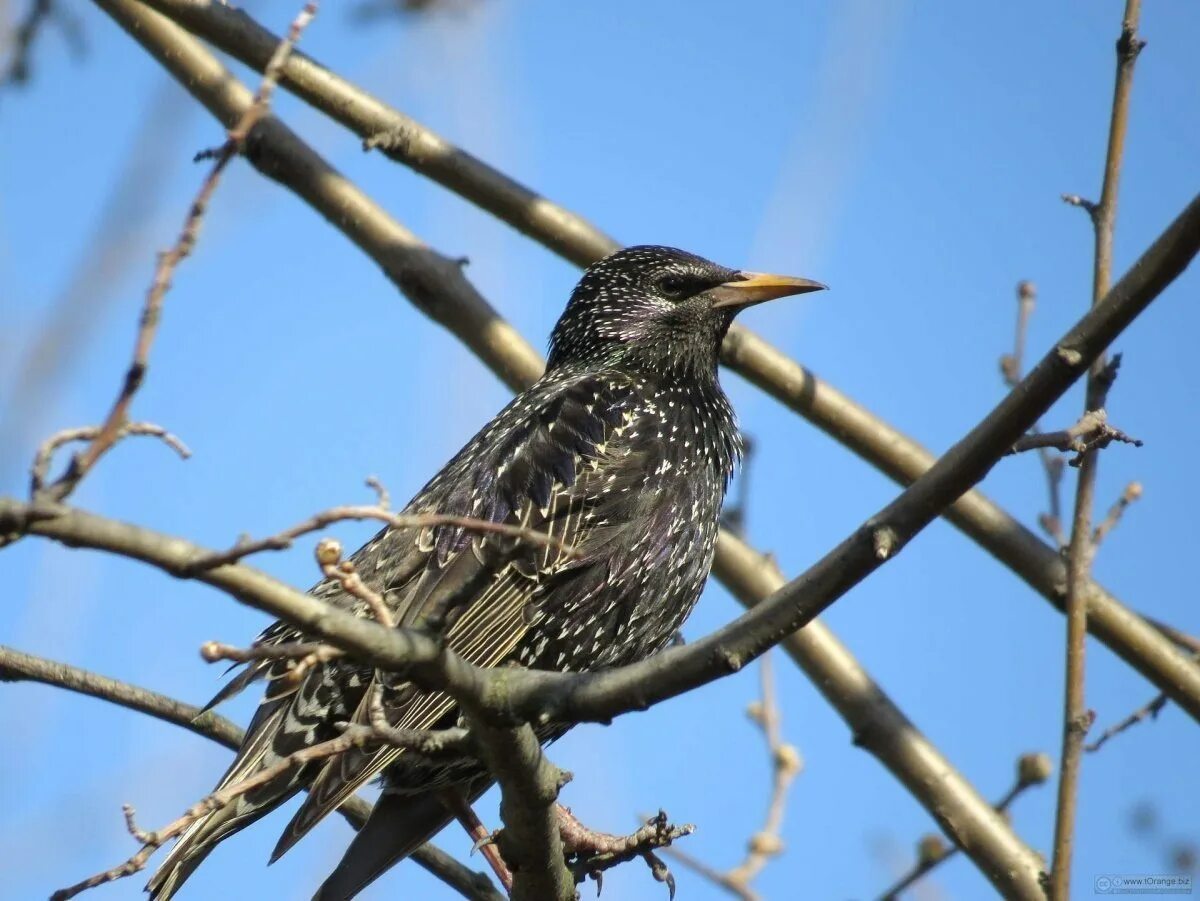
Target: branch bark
{"type": "Point", "coordinates": [529, 784]}
{"type": "Point", "coordinates": [569, 235]}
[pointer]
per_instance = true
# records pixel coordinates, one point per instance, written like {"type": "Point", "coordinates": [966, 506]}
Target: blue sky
{"type": "Point", "coordinates": [909, 155]}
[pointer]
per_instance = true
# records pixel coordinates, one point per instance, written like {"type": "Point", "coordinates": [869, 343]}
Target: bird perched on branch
{"type": "Point", "coordinates": [622, 452]}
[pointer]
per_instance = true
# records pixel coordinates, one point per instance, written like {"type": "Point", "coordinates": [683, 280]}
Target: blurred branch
{"type": "Point", "coordinates": [932, 852]}
{"type": "Point", "coordinates": [40, 14]}
{"type": "Point", "coordinates": [77, 311]}
{"type": "Point", "coordinates": [1080, 550]}
{"type": "Point", "coordinates": [18, 666]}
{"type": "Point", "coordinates": [1150, 710]}
{"type": "Point", "coordinates": [1132, 492]}
{"type": "Point", "coordinates": [434, 283]}
{"type": "Point", "coordinates": [767, 842]}
{"type": "Point", "coordinates": [443, 294]}
{"type": "Point", "coordinates": [1012, 369]}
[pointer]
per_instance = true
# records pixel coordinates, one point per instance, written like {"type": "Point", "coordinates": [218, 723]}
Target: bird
{"type": "Point", "coordinates": [620, 453]}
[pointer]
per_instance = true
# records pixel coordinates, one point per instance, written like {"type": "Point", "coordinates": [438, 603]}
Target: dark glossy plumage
{"type": "Point", "coordinates": [623, 451]}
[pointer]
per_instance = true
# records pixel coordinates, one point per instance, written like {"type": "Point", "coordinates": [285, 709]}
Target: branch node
{"type": "Point", "coordinates": [885, 541]}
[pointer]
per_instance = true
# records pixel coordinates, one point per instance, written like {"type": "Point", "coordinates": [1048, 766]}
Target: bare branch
{"type": "Point", "coordinates": [110, 431]}
{"type": "Point", "coordinates": [530, 841]}
{"type": "Point", "coordinates": [1077, 718]}
{"type": "Point", "coordinates": [785, 763]}
{"type": "Point", "coordinates": [1149, 710]}
{"type": "Point", "coordinates": [16, 666]}
{"type": "Point", "coordinates": [1132, 492]}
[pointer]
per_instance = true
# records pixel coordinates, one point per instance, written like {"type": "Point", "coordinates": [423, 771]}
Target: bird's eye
{"type": "Point", "coordinates": [672, 286]}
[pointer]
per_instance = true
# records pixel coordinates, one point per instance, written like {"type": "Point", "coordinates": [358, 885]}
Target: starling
{"type": "Point", "coordinates": [622, 451]}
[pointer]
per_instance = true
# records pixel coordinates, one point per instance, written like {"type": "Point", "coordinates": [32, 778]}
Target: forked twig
{"type": "Point", "coordinates": [46, 450]}
{"type": "Point", "coordinates": [112, 429]}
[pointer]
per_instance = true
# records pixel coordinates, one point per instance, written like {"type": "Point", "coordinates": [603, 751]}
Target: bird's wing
{"type": "Point", "coordinates": [542, 473]}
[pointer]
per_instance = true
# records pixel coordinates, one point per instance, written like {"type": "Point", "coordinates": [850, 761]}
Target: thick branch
{"type": "Point", "coordinates": [529, 784]}
{"type": "Point", "coordinates": [1032, 769]}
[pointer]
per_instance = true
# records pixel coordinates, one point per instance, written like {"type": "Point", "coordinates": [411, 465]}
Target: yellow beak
{"type": "Point", "coordinates": [755, 287]}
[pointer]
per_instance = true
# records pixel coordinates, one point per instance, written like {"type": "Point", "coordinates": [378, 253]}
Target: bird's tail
{"type": "Point", "coordinates": [397, 826]}
{"type": "Point", "coordinates": [198, 840]}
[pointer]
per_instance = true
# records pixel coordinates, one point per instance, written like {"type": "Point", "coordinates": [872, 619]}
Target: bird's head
{"type": "Point", "coordinates": [659, 310]}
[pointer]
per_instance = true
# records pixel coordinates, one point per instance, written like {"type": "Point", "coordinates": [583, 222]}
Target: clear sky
{"type": "Point", "coordinates": [910, 155]}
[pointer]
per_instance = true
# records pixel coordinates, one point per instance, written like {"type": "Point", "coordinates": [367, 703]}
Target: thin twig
{"type": "Point", "coordinates": [932, 850]}
{"type": "Point", "coordinates": [1132, 492]}
{"type": "Point", "coordinates": [302, 656]}
{"type": "Point", "coordinates": [1091, 433]}
{"type": "Point", "coordinates": [111, 429]}
{"type": "Point", "coordinates": [358, 512]}
{"type": "Point", "coordinates": [1077, 718]}
{"type": "Point", "coordinates": [329, 558]}
{"type": "Point", "coordinates": [1012, 368]}
{"type": "Point", "coordinates": [46, 450]}
{"type": "Point", "coordinates": [785, 762]}
{"type": "Point", "coordinates": [1150, 710]}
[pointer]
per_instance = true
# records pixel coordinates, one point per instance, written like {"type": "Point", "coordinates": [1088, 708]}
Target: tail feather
{"type": "Point", "coordinates": [199, 839]}
{"type": "Point", "coordinates": [397, 826]}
